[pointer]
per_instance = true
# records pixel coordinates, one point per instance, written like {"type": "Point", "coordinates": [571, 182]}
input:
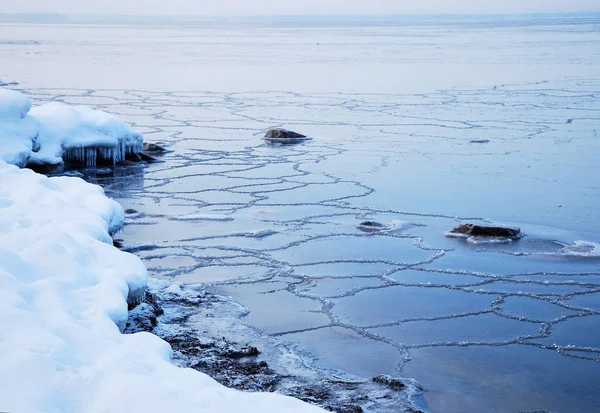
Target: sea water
{"type": "Point", "coordinates": [418, 125]}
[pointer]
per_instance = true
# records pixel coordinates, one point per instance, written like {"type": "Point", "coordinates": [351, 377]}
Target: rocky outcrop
{"type": "Point", "coordinates": [473, 230]}
{"type": "Point", "coordinates": [283, 134]}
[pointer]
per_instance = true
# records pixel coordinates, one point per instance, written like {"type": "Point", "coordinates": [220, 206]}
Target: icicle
{"type": "Point", "coordinates": [90, 157]}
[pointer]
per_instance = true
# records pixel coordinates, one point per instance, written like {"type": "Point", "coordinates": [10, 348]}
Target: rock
{"type": "Point", "coordinates": [469, 230]}
{"type": "Point", "coordinates": [389, 381]}
{"type": "Point", "coordinates": [47, 169]}
{"type": "Point", "coordinates": [280, 133]}
{"type": "Point", "coordinates": [133, 157]}
{"type": "Point", "coordinates": [369, 226]}
{"type": "Point", "coordinates": [130, 211]}
{"type": "Point", "coordinates": [569, 120]}
{"type": "Point", "coordinates": [246, 351]}
{"type": "Point", "coordinates": [480, 141]}
{"type": "Point", "coordinates": [152, 147]}
{"type": "Point", "coordinates": [148, 158]}
{"type": "Point", "coordinates": [126, 163]}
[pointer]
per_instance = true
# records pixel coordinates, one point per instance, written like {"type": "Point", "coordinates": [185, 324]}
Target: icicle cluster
{"type": "Point", "coordinates": [90, 157]}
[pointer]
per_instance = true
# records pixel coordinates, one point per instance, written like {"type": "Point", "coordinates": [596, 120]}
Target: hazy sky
{"type": "Point", "coordinates": [207, 7]}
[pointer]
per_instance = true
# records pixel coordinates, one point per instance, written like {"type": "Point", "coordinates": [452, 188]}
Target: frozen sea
{"type": "Point", "coordinates": [417, 124]}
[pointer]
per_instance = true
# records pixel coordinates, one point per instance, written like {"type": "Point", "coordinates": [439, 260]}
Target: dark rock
{"type": "Point", "coordinates": [280, 133]}
{"type": "Point", "coordinates": [479, 141]}
{"type": "Point", "coordinates": [389, 381]}
{"type": "Point", "coordinates": [144, 317]}
{"type": "Point", "coordinates": [485, 231]}
{"type": "Point", "coordinates": [118, 243]}
{"type": "Point", "coordinates": [126, 163]}
{"type": "Point", "coordinates": [47, 169]}
{"type": "Point", "coordinates": [569, 120]}
{"type": "Point", "coordinates": [152, 147]}
{"type": "Point", "coordinates": [133, 157]}
{"type": "Point", "coordinates": [148, 158]}
{"type": "Point", "coordinates": [130, 211]}
{"type": "Point", "coordinates": [370, 226]}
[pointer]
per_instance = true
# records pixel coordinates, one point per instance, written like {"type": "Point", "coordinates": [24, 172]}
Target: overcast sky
{"type": "Point", "coordinates": [208, 7]}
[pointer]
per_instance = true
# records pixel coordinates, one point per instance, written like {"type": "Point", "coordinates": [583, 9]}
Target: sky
{"type": "Point", "coordinates": [271, 7]}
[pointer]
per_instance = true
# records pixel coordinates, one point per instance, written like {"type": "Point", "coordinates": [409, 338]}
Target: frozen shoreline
{"type": "Point", "coordinates": [64, 302]}
{"type": "Point", "coordinates": [207, 334]}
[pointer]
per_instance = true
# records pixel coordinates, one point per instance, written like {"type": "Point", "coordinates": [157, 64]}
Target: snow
{"type": "Point", "coordinates": [48, 133]}
{"type": "Point", "coordinates": [18, 131]}
{"type": "Point", "coordinates": [82, 134]}
{"type": "Point", "coordinates": [64, 287]}
{"type": "Point", "coordinates": [63, 303]}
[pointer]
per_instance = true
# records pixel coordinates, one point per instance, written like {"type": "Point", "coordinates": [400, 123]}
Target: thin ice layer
{"type": "Point", "coordinates": [63, 302]}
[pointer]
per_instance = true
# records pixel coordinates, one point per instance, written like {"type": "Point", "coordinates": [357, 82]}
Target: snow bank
{"type": "Point", "coordinates": [51, 133]}
{"type": "Point", "coordinates": [63, 292]}
{"type": "Point", "coordinates": [81, 134]}
{"type": "Point", "coordinates": [18, 131]}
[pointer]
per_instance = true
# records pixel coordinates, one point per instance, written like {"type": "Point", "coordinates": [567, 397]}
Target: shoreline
{"type": "Point", "coordinates": [180, 314]}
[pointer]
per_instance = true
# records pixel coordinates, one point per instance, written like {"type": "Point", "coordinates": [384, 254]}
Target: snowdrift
{"type": "Point", "coordinates": [55, 133]}
{"type": "Point", "coordinates": [18, 130]}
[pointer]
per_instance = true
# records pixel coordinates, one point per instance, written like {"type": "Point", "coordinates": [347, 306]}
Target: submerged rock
{"type": "Point", "coordinates": [473, 230]}
{"type": "Point", "coordinates": [369, 226]}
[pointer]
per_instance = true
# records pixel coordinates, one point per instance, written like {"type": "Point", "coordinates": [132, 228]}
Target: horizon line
{"type": "Point", "coordinates": [290, 15]}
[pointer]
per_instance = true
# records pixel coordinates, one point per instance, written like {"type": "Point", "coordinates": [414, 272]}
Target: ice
{"type": "Point", "coordinates": [203, 217]}
{"type": "Point", "coordinates": [583, 249]}
{"type": "Point", "coordinates": [488, 240]}
{"type": "Point", "coordinates": [393, 112]}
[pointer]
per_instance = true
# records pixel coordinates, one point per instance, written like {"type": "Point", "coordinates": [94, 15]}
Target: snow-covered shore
{"type": "Point", "coordinates": [63, 299]}
{"type": "Point", "coordinates": [53, 133]}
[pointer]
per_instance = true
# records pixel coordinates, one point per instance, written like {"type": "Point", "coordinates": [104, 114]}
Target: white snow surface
{"type": "Point", "coordinates": [17, 130]}
{"type": "Point", "coordinates": [72, 127]}
{"type": "Point", "coordinates": [79, 132]}
{"type": "Point", "coordinates": [63, 300]}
